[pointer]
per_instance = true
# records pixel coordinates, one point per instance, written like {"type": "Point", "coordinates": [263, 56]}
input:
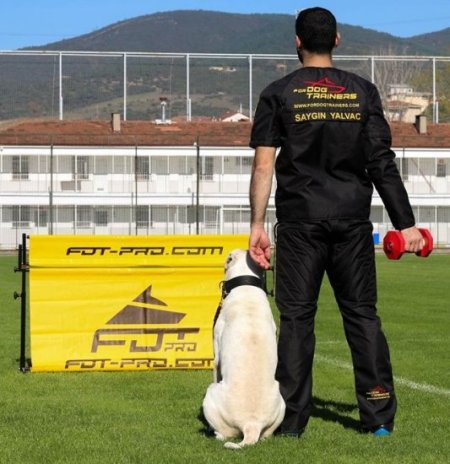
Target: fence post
{"type": "Point", "coordinates": [60, 89]}
{"type": "Point", "coordinates": [434, 90]}
{"type": "Point", "coordinates": [197, 207]}
{"type": "Point", "coordinates": [188, 94]}
{"type": "Point", "coordinates": [136, 187]}
{"type": "Point", "coordinates": [23, 268]}
{"type": "Point", "coordinates": [372, 69]}
{"type": "Point", "coordinates": [124, 86]}
{"type": "Point", "coordinates": [250, 86]}
{"type": "Point", "coordinates": [51, 218]}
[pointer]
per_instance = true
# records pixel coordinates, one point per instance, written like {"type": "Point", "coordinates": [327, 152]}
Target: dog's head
{"type": "Point", "coordinates": [240, 263]}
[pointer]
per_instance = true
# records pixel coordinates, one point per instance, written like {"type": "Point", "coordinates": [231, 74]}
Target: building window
{"type": "Point", "coordinates": [101, 217]}
{"type": "Point", "coordinates": [80, 167]}
{"type": "Point", "coordinates": [21, 216]}
{"type": "Point", "coordinates": [443, 214]}
{"type": "Point", "coordinates": [84, 217]}
{"type": "Point", "coordinates": [441, 168]}
{"type": "Point", "coordinates": [208, 168]}
{"type": "Point", "coordinates": [247, 163]}
{"type": "Point", "coordinates": [41, 216]}
{"type": "Point", "coordinates": [427, 214]}
{"type": "Point", "coordinates": [142, 216]}
{"type": "Point", "coordinates": [160, 165]}
{"type": "Point", "coordinates": [142, 167]}
{"type": "Point", "coordinates": [404, 169]}
{"type": "Point", "coordinates": [103, 165]}
{"type": "Point", "coordinates": [20, 168]}
{"type": "Point", "coordinates": [376, 214]}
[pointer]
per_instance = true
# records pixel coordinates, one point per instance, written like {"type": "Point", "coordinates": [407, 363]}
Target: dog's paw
{"type": "Point", "coordinates": [219, 436]}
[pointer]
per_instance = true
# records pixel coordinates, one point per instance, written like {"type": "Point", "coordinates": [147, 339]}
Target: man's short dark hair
{"type": "Point", "coordinates": [317, 29]}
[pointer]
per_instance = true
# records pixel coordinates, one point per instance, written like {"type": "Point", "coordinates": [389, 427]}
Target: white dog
{"type": "Point", "coordinates": [244, 398]}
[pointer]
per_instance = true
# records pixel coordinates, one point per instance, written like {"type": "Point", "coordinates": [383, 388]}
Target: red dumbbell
{"type": "Point", "coordinates": [394, 244]}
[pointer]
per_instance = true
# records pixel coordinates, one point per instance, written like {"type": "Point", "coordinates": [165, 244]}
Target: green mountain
{"type": "Point", "coordinates": [436, 41]}
{"type": "Point", "coordinates": [215, 32]}
{"type": "Point", "coordinates": [92, 86]}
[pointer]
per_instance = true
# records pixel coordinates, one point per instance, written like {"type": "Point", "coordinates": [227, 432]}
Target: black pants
{"type": "Point", "coordinates": [344, 249]}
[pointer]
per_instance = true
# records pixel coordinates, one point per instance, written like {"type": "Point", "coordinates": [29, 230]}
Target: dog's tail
{"type": "Point", "coordinates": [252, 432]}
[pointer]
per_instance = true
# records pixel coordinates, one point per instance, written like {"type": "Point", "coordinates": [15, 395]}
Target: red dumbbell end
{"type": "Point", "coordinates": [394, 244]}
{"type": "Point", "coordinates": [428, 247]}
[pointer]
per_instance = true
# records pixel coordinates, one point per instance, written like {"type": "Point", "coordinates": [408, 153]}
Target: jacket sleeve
{"type": "Point", "coordinates": [381, 167]}
{"type": "Point", "coordinates": [266, 125]}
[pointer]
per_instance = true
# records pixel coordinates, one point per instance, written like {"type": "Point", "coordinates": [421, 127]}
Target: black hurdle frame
{"type": "Point", "coordinates": [24, 268]}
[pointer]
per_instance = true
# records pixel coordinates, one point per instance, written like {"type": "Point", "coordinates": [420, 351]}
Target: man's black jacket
{"type": "Point", "coordinates": [335, 144]}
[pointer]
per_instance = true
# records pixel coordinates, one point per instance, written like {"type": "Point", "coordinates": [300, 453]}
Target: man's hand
{"type": "Point", "coordinates": [259, 246]}
{"type": "Point", "coordinates": [413, 239]}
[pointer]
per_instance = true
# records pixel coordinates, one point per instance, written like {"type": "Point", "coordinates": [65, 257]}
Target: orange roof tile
{"type": "Point", "coordinates": [131, 133]}
{"type": "Point", "coordinates": [211, 133]}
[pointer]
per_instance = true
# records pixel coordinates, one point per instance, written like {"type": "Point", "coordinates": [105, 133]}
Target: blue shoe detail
{"type": "Point", "coordinates": [381, 432]}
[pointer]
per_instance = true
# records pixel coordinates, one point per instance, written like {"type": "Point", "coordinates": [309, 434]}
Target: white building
{"type": "Point", "coordinates": [81, 177]}
{"type": "Point", "coordinates": [403, 104]}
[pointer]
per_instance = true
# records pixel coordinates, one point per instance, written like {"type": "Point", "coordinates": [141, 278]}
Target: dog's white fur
{"type": "Point", "coordinates": [244, 398]}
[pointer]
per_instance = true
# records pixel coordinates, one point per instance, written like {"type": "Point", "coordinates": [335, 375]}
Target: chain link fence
{"type": "Point", "coordinates": [92, 85]}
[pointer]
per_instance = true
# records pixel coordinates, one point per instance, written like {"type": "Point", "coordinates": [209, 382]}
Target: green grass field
{"type": "Point", "coordinates": [153, 417]}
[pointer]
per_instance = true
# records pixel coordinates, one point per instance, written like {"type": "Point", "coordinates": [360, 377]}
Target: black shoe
{"type": "Point", "coordinates": [289, 433]}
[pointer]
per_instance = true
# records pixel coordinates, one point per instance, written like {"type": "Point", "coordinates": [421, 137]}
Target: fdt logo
{"type": "Point", "coordinates": [137, 324]}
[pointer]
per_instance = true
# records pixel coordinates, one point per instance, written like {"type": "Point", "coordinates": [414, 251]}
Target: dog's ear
{"type": "Point", "coordinates": [228, 260]}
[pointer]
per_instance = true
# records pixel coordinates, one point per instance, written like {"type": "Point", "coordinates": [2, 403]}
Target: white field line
{"type": "Point", "coordinates": [424, 387]}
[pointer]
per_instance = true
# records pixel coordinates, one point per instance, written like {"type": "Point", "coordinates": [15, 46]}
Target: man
{"type": "Point", "coordinates": [335, 145]}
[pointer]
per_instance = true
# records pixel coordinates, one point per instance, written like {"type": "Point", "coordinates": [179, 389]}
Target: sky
{"type": "Point", "coordinates": [38, 22]}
